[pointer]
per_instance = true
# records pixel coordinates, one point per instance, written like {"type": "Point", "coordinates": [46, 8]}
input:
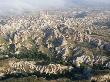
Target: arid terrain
{"type": "Point", "coordinates": [53, 44]}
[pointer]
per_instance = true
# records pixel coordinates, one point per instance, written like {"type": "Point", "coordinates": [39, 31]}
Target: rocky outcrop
{"type": "Point", "coordinates": [25, 31]}
{"type": "Point", "coordinates": [63, 39]}
{"type": "Point", "coordinates": [30, 67]}
{"type": "Point", "coordinates": [92, 61]}
{"type": "Point", "coordinates": [101, 78]}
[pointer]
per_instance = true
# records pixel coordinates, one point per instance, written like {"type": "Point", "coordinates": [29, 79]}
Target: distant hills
{"type": "Point", "coordinates": [18, 6]}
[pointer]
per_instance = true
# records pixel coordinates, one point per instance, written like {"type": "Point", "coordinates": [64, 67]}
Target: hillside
{"type": "Point", "coordinates": [72, 38]}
